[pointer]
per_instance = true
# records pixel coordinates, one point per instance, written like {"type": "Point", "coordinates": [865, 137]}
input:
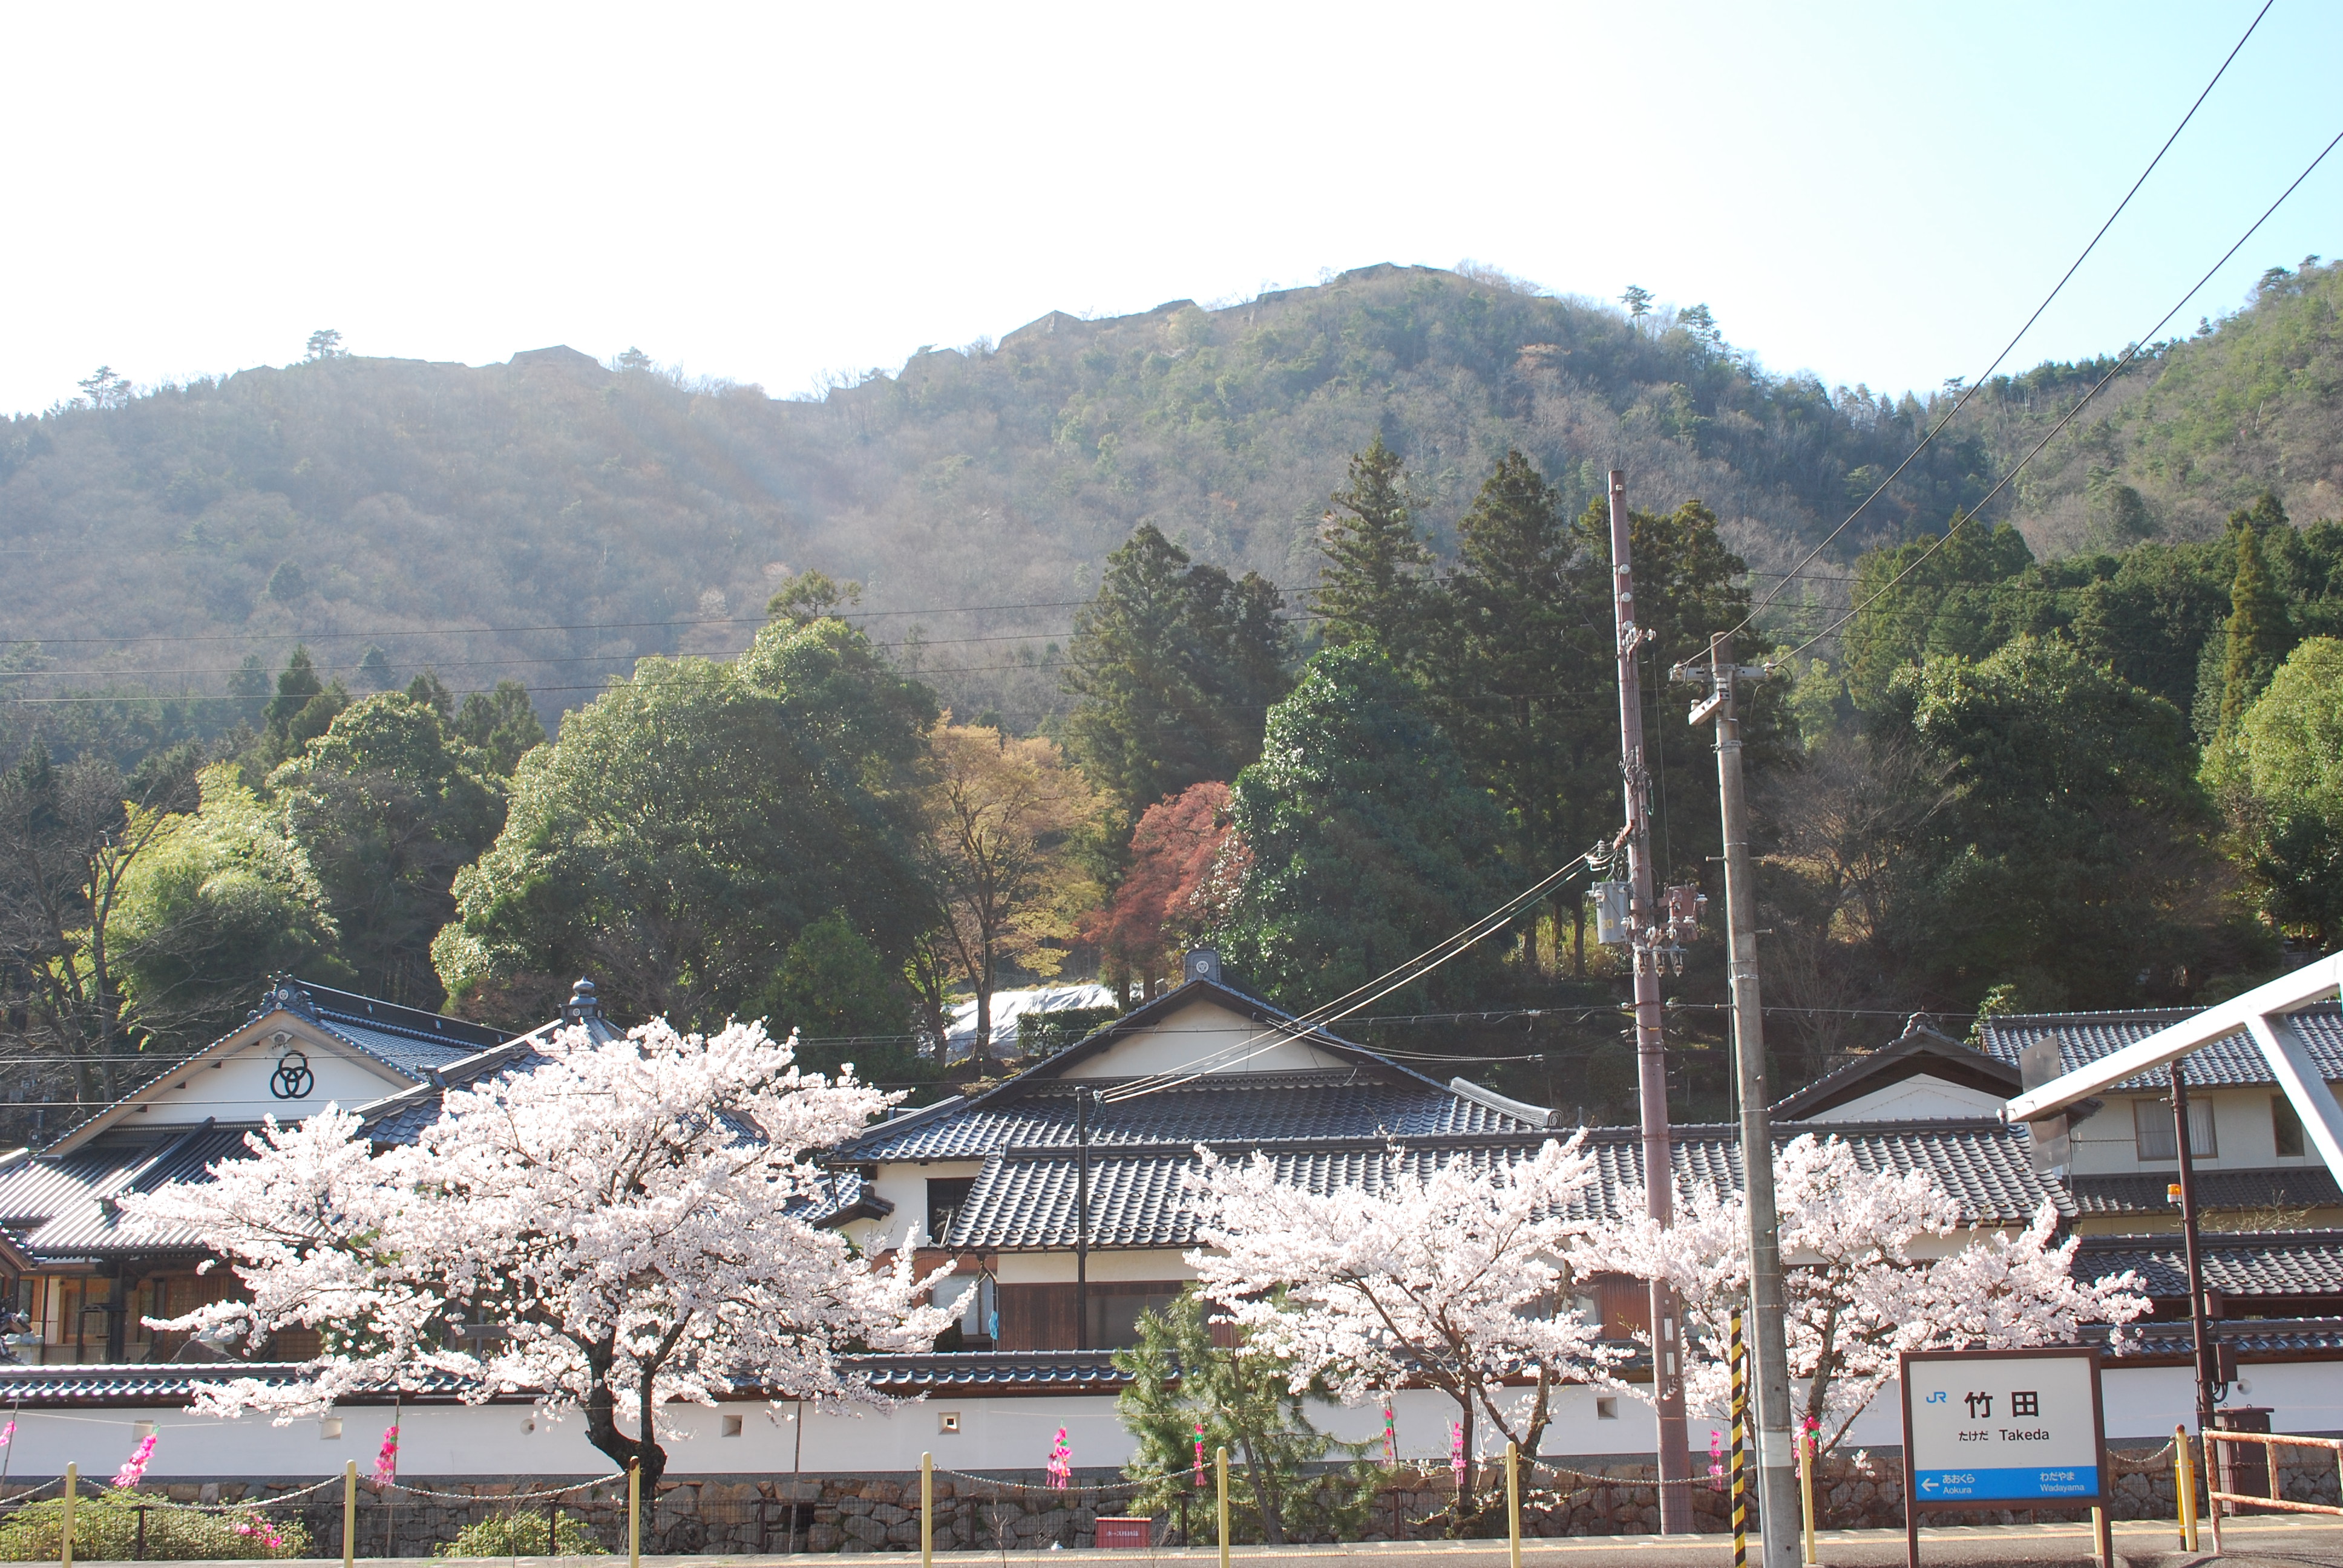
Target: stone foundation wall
{"type": "Point", "coordinates": [1018, 1510]}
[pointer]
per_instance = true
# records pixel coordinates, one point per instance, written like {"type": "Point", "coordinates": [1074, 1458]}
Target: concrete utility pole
{"type": "Point", "coordinates": [1778, 1511]}
{"type": "Point", "coordinates": [1651, 1049]}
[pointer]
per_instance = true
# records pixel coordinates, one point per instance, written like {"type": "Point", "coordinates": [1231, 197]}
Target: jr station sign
{"type": "Point", "coordinates": [2003, 1428]}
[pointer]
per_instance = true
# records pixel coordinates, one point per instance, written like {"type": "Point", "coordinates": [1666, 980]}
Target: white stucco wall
{"type": "Point", "coordinates": [996, 1436]}
{"type": "Point", "coordinates": [1194, 1035]}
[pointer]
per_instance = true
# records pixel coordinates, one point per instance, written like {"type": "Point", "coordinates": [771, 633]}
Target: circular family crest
{"type": "Point", "coordinates": [292, 1079]}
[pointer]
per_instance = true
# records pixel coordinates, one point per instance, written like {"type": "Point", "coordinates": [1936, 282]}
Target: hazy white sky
{"type": "Point", "coordinates": [770, 192]}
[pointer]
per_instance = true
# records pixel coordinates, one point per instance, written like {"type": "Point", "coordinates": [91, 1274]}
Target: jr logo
{"type": "Point", "coordinates": [1938, 1397]}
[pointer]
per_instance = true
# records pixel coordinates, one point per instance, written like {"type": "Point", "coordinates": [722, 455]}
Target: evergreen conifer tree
{"type": "Point", "coordinates": [2258, 634]}
{"type": "Point", "coordinates": [1372, 589]}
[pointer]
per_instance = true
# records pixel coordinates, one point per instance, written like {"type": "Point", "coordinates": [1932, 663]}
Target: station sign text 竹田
{"type": "Point", "coordinates": [2015, 1429]}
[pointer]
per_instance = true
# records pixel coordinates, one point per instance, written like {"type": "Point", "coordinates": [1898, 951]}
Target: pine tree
{"type": "Point", "coordinates": [2258, 634]}
{"type": "Point", "coordinates": [1372, 589]}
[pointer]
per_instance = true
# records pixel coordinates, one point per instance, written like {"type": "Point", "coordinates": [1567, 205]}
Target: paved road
{"type": "Point", "coordinates": [2257, 1543]}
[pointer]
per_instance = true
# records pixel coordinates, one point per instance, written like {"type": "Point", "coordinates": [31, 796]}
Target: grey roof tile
{"type": "Point", "coordinates": [2278, 1264]}
{"type": "Point", "coordinates": [1339, 1104]}
{"type": "Point", "coordinates": [2299, 1187]}
{"type": "Point", "coordinates": [1024, 1200]}
{"type": "Point", "coordinates": [77, 1225]}
{"type": "Point", "coordinates": [2232, 1062]}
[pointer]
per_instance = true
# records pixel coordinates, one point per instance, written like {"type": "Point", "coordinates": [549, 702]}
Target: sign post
{"type": "Point", "coordinates": [2003, 1429]}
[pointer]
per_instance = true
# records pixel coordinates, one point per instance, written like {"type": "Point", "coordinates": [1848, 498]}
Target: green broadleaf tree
{"type": "Point", "coordinates": [689, 825]}
{"type": "Point", "coordinates": [1368, 841]}
{"type": "Point", "coordinates": [2279, 778]}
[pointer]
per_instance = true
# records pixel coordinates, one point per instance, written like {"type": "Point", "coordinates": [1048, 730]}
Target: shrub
{"type": "Point", "coordinates": [106, 1529]}
{"type": "Point", "coordinates": [522, 1534]}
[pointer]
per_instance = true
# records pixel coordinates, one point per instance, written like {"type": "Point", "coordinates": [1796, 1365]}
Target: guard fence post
{"type": "Point", "coordinates": [634, 1514]}
{"type": "Point", "coordinates": [1513, 1501]}
{"type": "Point", "coordinates": [1221, 1472]}
{"type": "Point", "coordinates": [64, 1549]}
{"type": "Point", "coordinates": [349, 1512]}
{"type": "Point", "coordinates": [2184, 1488]}
{"type": "Point", "coordinates": [927, 1511]}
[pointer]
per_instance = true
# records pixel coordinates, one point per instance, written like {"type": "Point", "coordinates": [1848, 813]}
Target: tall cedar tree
{"type": "Point", "coordinates": [1372, 588]}
{"type": "Point", "coordinates": [1175, 663]}
{"type": "Point", "coordinates": [1519, 680]}
{"type": "Point", "coordinates": [303, 708]}
{"type": "Point", "coordinates": [2258, 635]}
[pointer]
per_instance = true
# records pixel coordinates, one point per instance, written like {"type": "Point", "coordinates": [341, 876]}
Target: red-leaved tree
{"type": "Point", "coordinates": [1185, 863]}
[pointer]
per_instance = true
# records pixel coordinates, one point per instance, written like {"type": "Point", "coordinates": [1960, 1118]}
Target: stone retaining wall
{"type": "Point", "coordinates": [1018, 1511]}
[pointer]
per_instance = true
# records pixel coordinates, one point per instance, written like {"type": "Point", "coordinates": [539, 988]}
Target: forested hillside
{"type": "Point", "coordinates": [354, 502]}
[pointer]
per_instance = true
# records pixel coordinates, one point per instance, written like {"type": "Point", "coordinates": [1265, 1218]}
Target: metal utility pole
{"type": "Point", "coordinates": [1081, 1219]}
{"type": "Point", "coordinates": [2199, 1331]}
{"type": "Point", "coordinates": [1778, 1509]}
{"type": "Point", "coordinates": [1651, 1049]}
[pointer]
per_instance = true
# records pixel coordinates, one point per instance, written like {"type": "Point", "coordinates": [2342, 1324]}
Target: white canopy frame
{"type": "Point", "coordinates": [2288, 1060]}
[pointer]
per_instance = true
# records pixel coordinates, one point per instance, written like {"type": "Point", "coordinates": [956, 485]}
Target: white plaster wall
{"type": "Point", "coordinates": [996, 1436]}
{"type": "Point", "coordinates": [1196, 1032]}
{"type": "Point", "coordinates": [1058, 1268]}
{"type": "Point", "coordinates": [233, 1087]}
{"type": "Point", "coordinates": [1917, 1098]}
{"type": "Point", "coordinates": [904, 1183]}
{"type": "Point", "coordinates": [2243, 1133]}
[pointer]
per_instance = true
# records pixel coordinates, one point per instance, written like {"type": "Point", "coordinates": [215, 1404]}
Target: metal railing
{"type": "Point", "coordinates": [2270, 1441]}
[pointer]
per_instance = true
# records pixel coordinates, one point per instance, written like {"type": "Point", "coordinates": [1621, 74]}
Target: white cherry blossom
{"type": "Point", "coordinates": [628, 1223]}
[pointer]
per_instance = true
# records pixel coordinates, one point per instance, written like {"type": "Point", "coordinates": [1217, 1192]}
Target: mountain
{"type": "Point", "coordinates": [2195, 429]}
{"type": "Point", "coordinates": [551, 519]}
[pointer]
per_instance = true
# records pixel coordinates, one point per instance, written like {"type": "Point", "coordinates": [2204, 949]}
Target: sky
{"type": "Point", "coordinates": [779, 194]}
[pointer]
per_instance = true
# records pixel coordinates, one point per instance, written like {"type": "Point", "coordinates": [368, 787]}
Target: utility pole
{"type": "Point", "coordinates": [1651, 1049]}
{"type": "Point", "coordinates": [1778, 1509]}
{"type": "Point", "coordinates": [1082, 1219]}
{"type": "Point", "coordinates": [2200, 1337]}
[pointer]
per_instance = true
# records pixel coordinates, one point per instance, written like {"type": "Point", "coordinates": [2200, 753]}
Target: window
{"type": "Point", "coordinates": [1114, 1319]}
{"type": "Point", "coordinates": [2286, 1126]}
{"type": "Point", "coordinates": [945, 1196]}
{"type": "Point", "coordinates": [2151, 1121]}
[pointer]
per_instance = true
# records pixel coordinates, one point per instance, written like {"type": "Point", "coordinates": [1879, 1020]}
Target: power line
{"type": "Point", "coordinates": [2128, 356]}
{"type": "Point", "coordinates": [1971, 391]}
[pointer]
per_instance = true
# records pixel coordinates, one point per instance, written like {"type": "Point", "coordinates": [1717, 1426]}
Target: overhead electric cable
{"type": "Point", "coordinates": [1971, 390]}
{"type": "Point", "coordinates": [2128, 356]}
{"type": "Point", "coordinates": [1317, 1017]}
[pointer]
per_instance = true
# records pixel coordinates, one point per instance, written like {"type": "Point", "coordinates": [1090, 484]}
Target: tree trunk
{"type": "Point", "coordinates": [1264, 1493]}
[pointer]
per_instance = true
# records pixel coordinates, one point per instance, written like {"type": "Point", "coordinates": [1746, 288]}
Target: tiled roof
{"type": "Point", "coordinates": [2276, 1339]}
{"type": "Point", "coordinates": [1059, 1371]}
{"type": "Point", "coordinates": [70, 1220]}
{"type": "Point", "coordinates": [401, 1118]}
{"type": "Point", "coordinates": [1919, 1050]}
{"type": "Point", "coordinates": [1024, 1200]}
{"type": "Point", "coordinates": [2231, 1062]}
{"type": "Point", "coordinates": [1212, 1110]}
{"type": "Point", "coordinates": [2278, 1264]}
{"type": "Point", "coordinates": [177, 1382]}
{"type": "Point", "coordinates": [2297, 1187]}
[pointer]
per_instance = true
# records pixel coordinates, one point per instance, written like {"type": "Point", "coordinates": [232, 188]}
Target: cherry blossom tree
{"type": "Point", "coordinates": [623, 1227]}
{"type": "Point", "coordinates": [1872, 1273]}
{"type": "Point", "coordinates": [1443, 1268]}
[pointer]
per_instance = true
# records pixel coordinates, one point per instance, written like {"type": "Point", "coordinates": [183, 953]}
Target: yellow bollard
{"type": "Point", "coordinates": [927, 1511]}
{"type": "Point", "coordinates": [1221, 1470]}
{"type": "Point", "coordinates": [1807, 1491]}
{"type": "Point", "coordinates": [73, 1479]}
{"type": "Point", "coordinates": [1513, 1501]}
{"type": "Point", "coordinates": [2183, 1488]}
{"type": "Point", "coordinates": [634, 1513]}
{"type": "Point", "coordinates": [349, 1513]}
